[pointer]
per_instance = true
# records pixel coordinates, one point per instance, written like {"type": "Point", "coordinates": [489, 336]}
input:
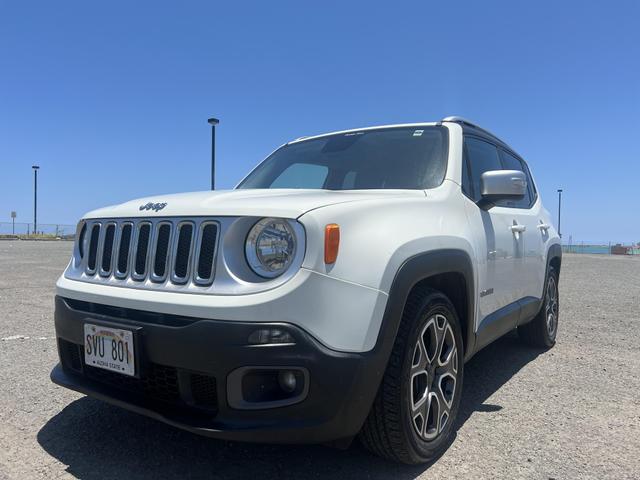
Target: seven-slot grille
{"type": "Point", "coordinates": [178, 251]}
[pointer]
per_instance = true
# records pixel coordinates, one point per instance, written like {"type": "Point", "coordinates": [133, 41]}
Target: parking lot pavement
{"type": "Point", "coordinates": [572, 412]}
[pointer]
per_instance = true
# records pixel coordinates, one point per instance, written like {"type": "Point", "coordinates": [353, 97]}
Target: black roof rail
{"type": "Point", "coordinates": [469, 123]}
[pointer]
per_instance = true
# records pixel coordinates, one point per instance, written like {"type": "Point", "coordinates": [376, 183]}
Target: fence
{"type": "Point", "coordinates": [53, 230]}
{"type": "Point", "coordinates": [601, 248]}
{"type": "Point", "coordinates": [67, 232]}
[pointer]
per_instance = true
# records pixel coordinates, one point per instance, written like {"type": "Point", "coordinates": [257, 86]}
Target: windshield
{"type": "Point", "coordinates": [397, 157]}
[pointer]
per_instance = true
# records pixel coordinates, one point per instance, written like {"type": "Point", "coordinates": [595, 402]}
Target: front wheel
{"type": "Point", "coordinates": [413, 415]}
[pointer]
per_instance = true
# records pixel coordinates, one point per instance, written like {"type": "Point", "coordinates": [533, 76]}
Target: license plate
{"type": "Point", "coordinates": [109, 348]}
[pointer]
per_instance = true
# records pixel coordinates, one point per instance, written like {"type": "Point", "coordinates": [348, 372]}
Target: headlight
{"type": "Point", "coordinates": [270, 247]}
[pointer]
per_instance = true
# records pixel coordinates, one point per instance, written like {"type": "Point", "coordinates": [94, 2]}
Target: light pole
{"type": "Point", "coordinates": [35, 197]}
{"type": "Point", "coordinates": [213, 122]}
{"type": "Point", "coordinates": [559, 210]}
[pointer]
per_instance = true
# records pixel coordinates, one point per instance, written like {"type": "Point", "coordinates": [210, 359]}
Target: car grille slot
{"type": "Point", "coordinates": [151, 252]}
{"type": "Point", "coordinates": [142, 248]}
{"type": "Point", "coordinates": [123, 250]}
{"type": "Point", "coordinates": [207, 248]}
{"type": "Point", "coordinates": [93, 249]}
{"type": "Point", "coordinates": [183, 253]}
{"type": "Point", "coordinates": [81, 245]}
{"type": "Point", "coordinates": [107, 249]}
{"type": "Point", "coordinates": [161, 251]}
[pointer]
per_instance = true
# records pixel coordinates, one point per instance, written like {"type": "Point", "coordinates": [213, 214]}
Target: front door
{"type": "Point", "coordinates": [499, 237]}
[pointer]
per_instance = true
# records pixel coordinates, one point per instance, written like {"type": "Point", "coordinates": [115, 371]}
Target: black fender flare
{"type": "Point", "coordinates": [554, 251]}
{"type": "Point", "coordinates": [414, 270]}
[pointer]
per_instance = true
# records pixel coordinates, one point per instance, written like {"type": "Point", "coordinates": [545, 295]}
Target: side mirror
{"type": "Point", "coordinates": [501, 185]}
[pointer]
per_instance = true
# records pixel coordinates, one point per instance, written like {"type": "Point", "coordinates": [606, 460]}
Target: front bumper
{"type": "Point", "coordinates": [341, 386]}
{"type": "Point", "coordinates": [342, 315]}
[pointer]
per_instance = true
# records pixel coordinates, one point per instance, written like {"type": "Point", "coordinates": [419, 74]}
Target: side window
{"type": "Point", "coordinates": [531, 188]}
{"type": "Point", "coordinates": [301, 175]}
{"type": "Point", "coordinates": [482, 157]}
{"type": "Point", "coordinates": [349, 181]}
{"type": "Point", "coordinates": [467, 187]}
{"type": "Point", "coordinates": [513, 163]}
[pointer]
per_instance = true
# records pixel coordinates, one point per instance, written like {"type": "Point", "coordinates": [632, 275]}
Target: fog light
{"type": "Point", "coordinates": [287, 380]}
{"type": "Point", "coordinates": [258, 387]}
{"type": "Point", "coordinates": [266, 336]}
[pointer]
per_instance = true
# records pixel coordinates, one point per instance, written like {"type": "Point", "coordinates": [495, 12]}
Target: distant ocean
{"type": "Point", "coordinates": [598, 249]}
{"type": "Point", "coordinates": [593, 249]}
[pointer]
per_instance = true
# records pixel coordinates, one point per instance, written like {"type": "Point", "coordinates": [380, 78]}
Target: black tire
{"type": "Point", "coordinates": [542, 330]}
{"type": "Point", "coordinates": [392, 428]}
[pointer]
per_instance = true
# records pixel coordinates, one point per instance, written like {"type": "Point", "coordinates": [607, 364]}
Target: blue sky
{"type": "Point", "coordinates": [111, 98]}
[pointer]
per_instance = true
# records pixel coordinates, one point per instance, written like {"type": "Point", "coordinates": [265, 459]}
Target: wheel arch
{"type": "Point", "coordinates": [442, 268]}
{"type": "Point", "coordinates": [449, 271]}
{"type": "Point", "coordinates": [554, 258]}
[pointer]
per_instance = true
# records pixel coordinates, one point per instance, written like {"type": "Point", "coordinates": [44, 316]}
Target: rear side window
{"type": "Point", "coordinates": [531, 187]}
{"type": "Point", "coordinates": [481, 157]}
{"type": "Point", "coordinates": [511, 162]}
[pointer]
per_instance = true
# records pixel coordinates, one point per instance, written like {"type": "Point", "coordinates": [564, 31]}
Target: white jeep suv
{"type": "Point", "coordinates": [337, 291]}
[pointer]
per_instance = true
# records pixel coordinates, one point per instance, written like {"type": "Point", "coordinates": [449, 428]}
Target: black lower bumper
{"type": "Point", "coordinates": [185, 365]}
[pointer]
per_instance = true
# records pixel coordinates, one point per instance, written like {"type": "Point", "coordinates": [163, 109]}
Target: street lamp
{"type": "Point", "coordinates": [559, 210]}
{"type": "Point", "coordinates": [35, 197]}
{"type": "Point", "coordinates": [213, 122]}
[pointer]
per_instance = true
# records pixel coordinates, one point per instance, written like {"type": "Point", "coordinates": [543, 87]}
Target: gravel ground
{"type": "Point", "coordinates": [572, 412]}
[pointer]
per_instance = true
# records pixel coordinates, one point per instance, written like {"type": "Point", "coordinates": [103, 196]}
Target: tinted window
{"type": "Point", "coordinates": [400, 157]}
{"type": "Point", "coordinates": [510, 162]}
{"type": "Point", "coordinates": [467, 187]}
{"type": "Point", "coordinates": [531, 187]}
{"type": "Point", "coordinates": [349, 181]}
{"type": "Point", "coordinates": [481, 157]}
{"type": "Point", "coordinates": [301, 175]}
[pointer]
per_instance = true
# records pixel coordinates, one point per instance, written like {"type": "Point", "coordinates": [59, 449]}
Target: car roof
{"type": "Point", "coordinates": [377, 127]}
{"type": "Point", "coordinates": [468, 127]}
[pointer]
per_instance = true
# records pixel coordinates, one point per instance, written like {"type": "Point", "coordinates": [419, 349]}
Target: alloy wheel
{"type": "Point", "coordinates": [434, 374]}
{"type": "Point", "coordinates": [551, 307]}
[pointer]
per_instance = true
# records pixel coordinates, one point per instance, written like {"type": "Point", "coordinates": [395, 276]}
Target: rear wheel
{"type": "Point", "coordinates": [413, 415]}
{"type": "Point", "coordinates": [542, 330]}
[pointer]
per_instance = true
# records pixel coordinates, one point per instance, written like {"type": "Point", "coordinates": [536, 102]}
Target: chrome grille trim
{"type": "Point", "coordinates": [205, 281]}
{"type": "Point", "coordinates": [175, 278]}
{"type": "Point", "coordinates": [154, 252]}
{"type": "Point", "coordinates": [174, 256]}
{"type": "Point", "coordinates": [134, 262]}
{"type": "Point", "coordinates": [104, 247]}
{"type": "Point", "coordinates": [91, 250]}
{"type": "Point", "coordinates": [221, 259]}
{"type": "Point", "coordinates": [119, 246]}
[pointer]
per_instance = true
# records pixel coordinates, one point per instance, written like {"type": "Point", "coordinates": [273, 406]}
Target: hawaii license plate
{"type": "Point", "coordinates": [109, 348]}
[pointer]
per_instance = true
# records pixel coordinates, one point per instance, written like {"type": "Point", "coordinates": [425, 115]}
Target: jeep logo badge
{"type": "Point", "coordinates": [156, 207]}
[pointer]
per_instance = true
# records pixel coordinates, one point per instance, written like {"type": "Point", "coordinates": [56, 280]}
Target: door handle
{"type": "Point", "coordinates": [518, 228]}
{"type": "Point", "coordinates": [544, 226]}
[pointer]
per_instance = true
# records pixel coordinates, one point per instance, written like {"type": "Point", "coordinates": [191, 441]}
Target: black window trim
{"type": "Point", "coordinates": [500, 146]}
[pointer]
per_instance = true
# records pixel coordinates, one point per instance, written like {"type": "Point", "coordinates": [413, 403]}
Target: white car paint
{"type": "Point", "coordinates": [285, 203]}
{"type": "Point", "coordinates": [342, 304]}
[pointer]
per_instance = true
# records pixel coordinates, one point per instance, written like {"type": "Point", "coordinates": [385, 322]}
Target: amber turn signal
{"type": "Point", "coordinates": [331, 243]}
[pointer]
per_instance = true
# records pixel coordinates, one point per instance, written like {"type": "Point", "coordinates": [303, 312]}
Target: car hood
{"type": "Point", "coordinates": [287, 203]}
